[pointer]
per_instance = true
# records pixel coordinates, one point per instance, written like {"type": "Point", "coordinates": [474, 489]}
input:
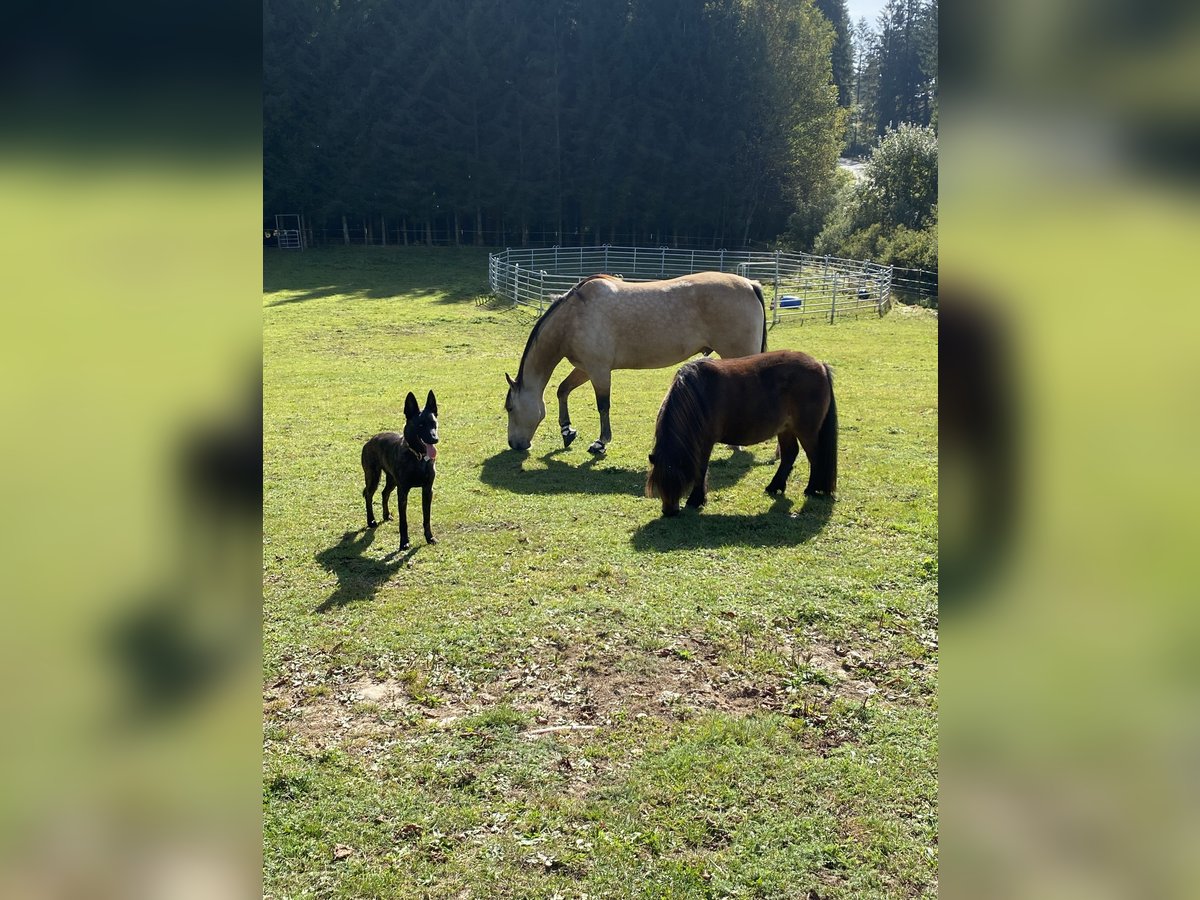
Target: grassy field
{"type": "Point", "coordinates": [753, 688]}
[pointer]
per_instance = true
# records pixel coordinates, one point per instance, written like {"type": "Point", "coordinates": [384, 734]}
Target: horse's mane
{"type": "Point", "coordinates": [682, 419]}
{"type": "Point", "coordinates": [553, 308]}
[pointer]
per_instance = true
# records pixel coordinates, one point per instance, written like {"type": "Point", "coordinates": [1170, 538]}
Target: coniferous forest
{"type": "Point", "coordinates": [678, 122]}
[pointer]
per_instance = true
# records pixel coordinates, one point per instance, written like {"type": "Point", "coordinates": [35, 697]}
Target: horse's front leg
{"type": "Point", "coordinates": [572, 381]}
{"type": "Point", "coordinates": [699, 495]}
{"type": "Point", "coordinates": [603, 386]}
{"type": "Point", "coordinates": [789, 449]}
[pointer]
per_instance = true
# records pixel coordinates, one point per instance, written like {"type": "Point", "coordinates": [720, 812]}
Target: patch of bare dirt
{"type": "Point", "coordinates": [568, 691]}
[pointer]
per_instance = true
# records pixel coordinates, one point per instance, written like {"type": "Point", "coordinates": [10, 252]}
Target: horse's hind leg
{"type": "Point", "coordinates": [808, 440]}
{"type": "Point", "coordinates": [789, 449]}
{"type": "Point", "coordinates": [371, 474]}
{"type": "Point", "coordinates": [572, 381]}
{"type": "Point", "coordinates": [603, 386]}
{"type": "Point", "coordinates": [388, 486]}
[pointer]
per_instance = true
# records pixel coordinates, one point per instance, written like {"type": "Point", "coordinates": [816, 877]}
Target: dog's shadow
{"type": "Point", "coordinates": [359, 577]}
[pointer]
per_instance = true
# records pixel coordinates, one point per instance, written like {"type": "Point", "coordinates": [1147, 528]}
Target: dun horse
{"type": "Point", "coordinates": [783, 394]}
{"type": "Point", "coordinates": [604, 323]}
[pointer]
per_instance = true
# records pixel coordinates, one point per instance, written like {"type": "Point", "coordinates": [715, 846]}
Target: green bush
{"type": "Point", "coordinates": [890, 216]}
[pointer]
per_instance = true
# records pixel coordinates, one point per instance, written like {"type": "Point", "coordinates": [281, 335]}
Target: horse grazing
{"type": "Point", "coordinates": [784, 394]}
{"type": "Point", "coordinates": [604, 323]}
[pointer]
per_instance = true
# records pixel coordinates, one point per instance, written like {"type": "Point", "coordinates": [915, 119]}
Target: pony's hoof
{"type": "Point", "coordinates": [774, 489]}
{"type": "Point", "coordinates": [404, 545]}
{"type": "Point", "coordinates": [430, 539]}
{"type": "Point", "coordinates": [598, 448]}
{"type": "Point", "coordinates": [371, 523]}
{"type": "Point", "coordinates": [568, 436]}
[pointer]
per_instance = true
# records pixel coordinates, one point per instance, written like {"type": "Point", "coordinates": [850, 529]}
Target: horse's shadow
{"type": "Point", "coordinates": [505, 470]}
{"type": "Point", "coordinates": [776, 527]}
{"type": "Point", "coordinates": [359, 577]}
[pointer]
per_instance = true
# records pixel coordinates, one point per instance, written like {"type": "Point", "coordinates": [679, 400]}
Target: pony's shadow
{"type": "Point", "coordinates": [359, 577]}
{"type": "Point", "coordinates": [505, 470]}
{"type": "Point", "coordinates": [778, 526]}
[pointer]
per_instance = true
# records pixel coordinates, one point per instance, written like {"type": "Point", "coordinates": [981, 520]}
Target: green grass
{"type": "Point", "coordinates": [753, 687]}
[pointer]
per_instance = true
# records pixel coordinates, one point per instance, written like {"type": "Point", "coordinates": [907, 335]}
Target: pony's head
{"type": "Point", "coordinates": [667, 481]}
{"type": "Point", "coordinates": [525, 413]}
{"type": "Point", "coordinates": [675, 459]}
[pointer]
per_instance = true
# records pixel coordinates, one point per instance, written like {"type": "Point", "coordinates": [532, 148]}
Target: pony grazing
{"type": "Point", "coordinates": [604, 323]}
{"type": "Point", "coordinates": [784, 394]}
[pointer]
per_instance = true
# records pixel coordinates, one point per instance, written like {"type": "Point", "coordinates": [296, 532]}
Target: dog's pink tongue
{"type": "Point", "coordinates": [431, 451]}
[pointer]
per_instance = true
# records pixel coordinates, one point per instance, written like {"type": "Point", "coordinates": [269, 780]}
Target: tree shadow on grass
{"type": "Point", "coordinates": [359, 577]}
{"type": "Point", "coordinates": [362, 290]}
{"type": "Point", "coordinates": [778, 526]}
{"type": "Point", "coordinates": [374, 273]}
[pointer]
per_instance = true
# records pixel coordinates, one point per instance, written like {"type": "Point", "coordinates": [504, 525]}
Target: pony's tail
{"type": "Point", "coordinates": [825, 477]}
{"type": "Point", "coordinates": [762, 300]}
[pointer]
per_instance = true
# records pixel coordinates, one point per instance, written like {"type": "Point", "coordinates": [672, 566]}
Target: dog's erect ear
{"type": "Point", "coordinates": [431, 403]}
{"type": "Point", "coordinates": [410, 406]}
{"type": "Point", "coordinates": [511, 383]}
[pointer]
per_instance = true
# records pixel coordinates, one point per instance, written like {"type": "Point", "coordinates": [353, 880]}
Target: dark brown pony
{"type": "Point", "coordinates": [784, 394]}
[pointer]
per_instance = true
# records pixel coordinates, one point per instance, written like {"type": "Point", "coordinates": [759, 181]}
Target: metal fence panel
{"type": "Point", "coordinates": [795, 285]}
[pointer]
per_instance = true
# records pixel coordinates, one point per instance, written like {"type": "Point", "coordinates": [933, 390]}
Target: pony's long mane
{"type": "Point", "coordinates": [550, 310]}
{"type": "Point", "coordinates": [679, 434]}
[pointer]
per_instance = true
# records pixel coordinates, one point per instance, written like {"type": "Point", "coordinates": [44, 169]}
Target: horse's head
{"type": "Point", "coordinates": [525, 413]}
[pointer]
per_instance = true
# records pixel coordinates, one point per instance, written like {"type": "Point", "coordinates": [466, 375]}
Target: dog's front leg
{"type": "Point", "coordinates": [426, 505]}
{"type": "Point", "coordinates": [388, 487]}
{"type": "Point", "coordinates": [402, 502]}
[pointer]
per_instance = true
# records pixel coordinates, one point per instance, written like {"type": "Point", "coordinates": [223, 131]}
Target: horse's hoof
{"type": "Point", "coordinates": [568, 436]}
{"type": "Point", "coordinates": [774, 489]}
{"type": "Point", "coordinates": [404, 545]}
{"type": "Point", "coordinates": [371, 523]}
{"type": "Point", "coordinates": [430, 539]}
{"type": "Point", "coordinates": [598, 449]}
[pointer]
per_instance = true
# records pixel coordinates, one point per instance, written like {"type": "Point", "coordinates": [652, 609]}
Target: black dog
{"type": "Point", "coordinates": [407, 460]}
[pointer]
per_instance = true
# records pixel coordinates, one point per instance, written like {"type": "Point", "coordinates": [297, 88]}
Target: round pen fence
{"type": "Point", "coordinates": [795, 285]}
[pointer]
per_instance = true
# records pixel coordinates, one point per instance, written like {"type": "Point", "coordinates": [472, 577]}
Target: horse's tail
{"type": "Point", "coordinates": [825, 477]}
{"type": "Point", "coordinates": [761, 300]}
